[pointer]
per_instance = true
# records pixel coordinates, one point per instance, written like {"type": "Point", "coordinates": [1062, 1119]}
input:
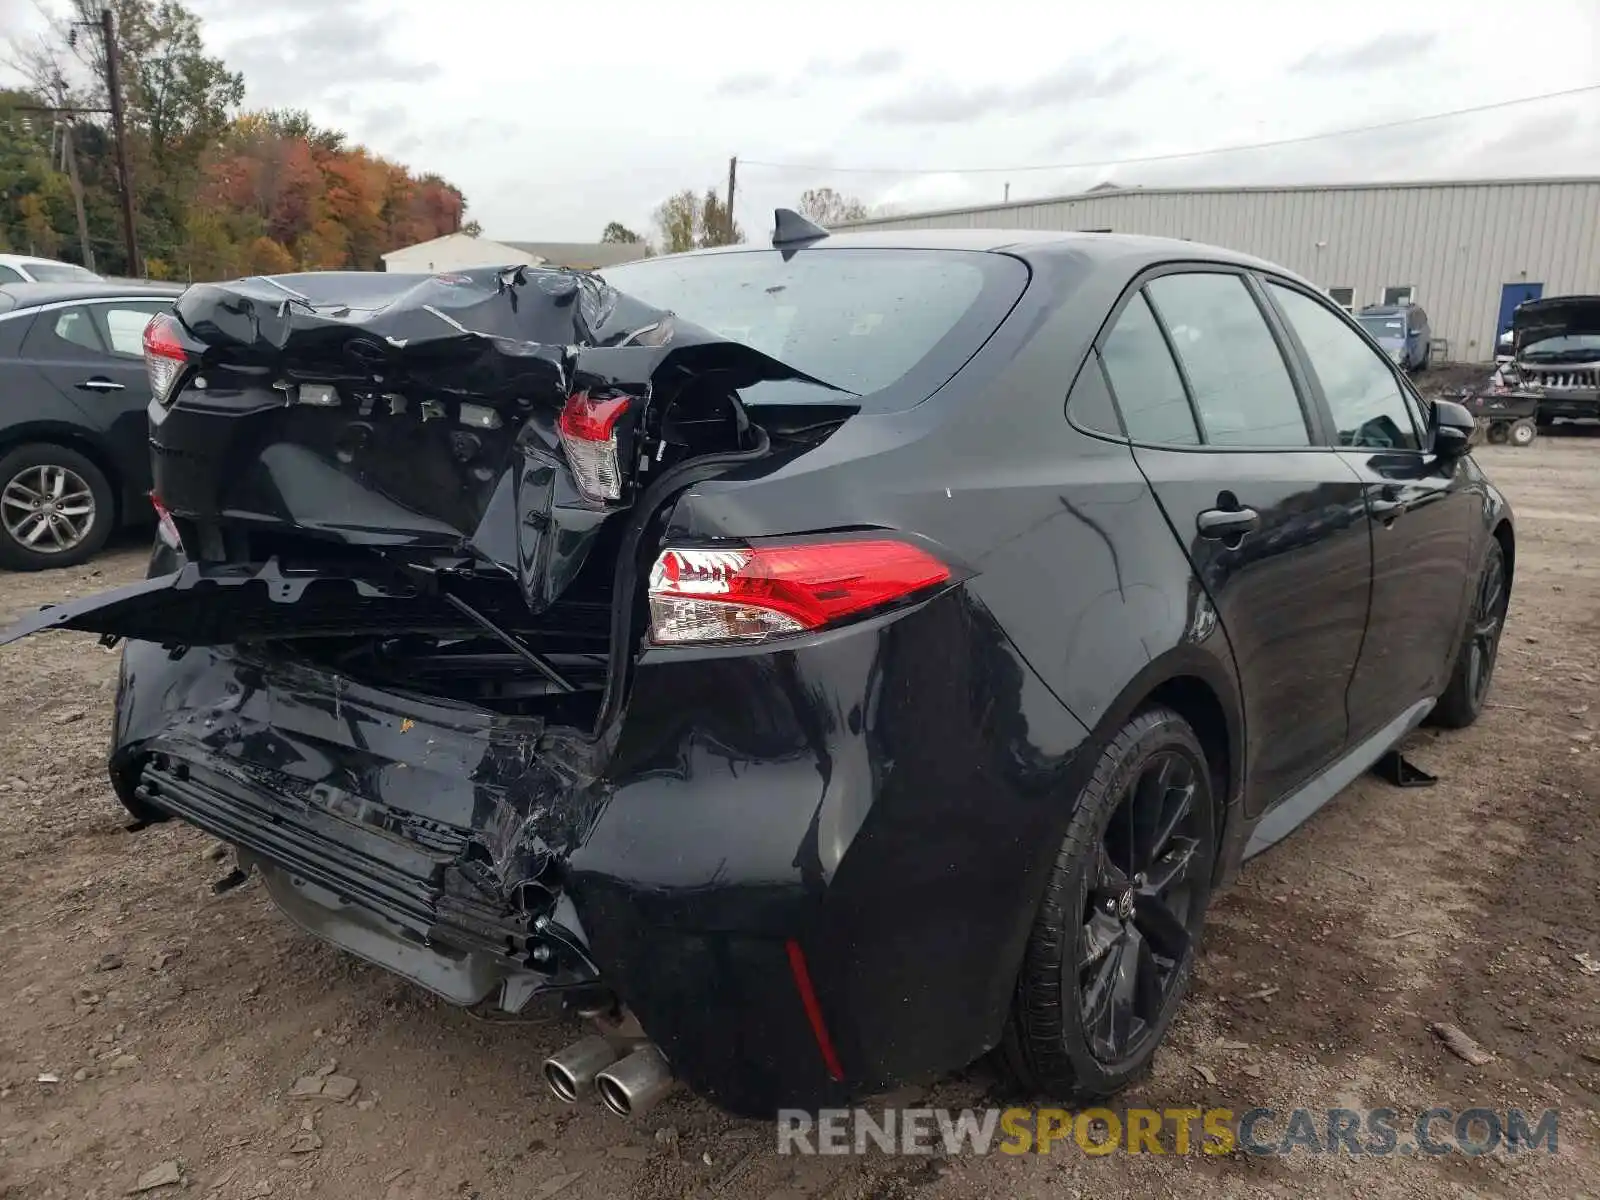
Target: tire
{"type": "Point", "coordinates": [1473, 671]}
{"type": "Point", "coordinates": [1497, 433]}
{"type": "Point", "coordinates": [40, 472]}
{"type": "Point", "coordinates": [1523, 432]}
{"type": "Point", "coordinates": [1055, 1041]}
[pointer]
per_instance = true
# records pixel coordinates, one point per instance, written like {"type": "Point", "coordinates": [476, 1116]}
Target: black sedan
{"type": "Point", "coordinates": [74, 441]}
{"type": "Point", "coordinates": [820, 664]}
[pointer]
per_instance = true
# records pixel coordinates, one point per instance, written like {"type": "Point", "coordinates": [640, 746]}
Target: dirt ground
{"type": "Point", "coordinates": [149, 1022]}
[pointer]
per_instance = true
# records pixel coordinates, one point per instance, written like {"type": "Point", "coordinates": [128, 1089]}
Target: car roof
{"type": "Point", "coordinates": [14, 296]}
{"type": "Point", "coordinates": [1027, 244]}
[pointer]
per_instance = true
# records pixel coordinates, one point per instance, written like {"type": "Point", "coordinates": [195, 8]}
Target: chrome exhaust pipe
{"type": "Point", "coordinates": [571, 1072]}
{"type": "Point", "coordinates": [631, 1087]}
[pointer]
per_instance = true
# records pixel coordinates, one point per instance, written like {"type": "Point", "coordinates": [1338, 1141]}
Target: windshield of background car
{"type": "Point", "coordinates": [1566, 346]}
{"type": "Point", "coordinates": [891, 326]}
{"type": "Point", "coordinates": [47, 272]}
{"type": "Point", "coordinates": [1384, 327]}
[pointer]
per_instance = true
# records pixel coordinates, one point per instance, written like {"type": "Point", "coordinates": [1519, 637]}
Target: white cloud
{"type": "Point", "coordinates": [554, 127]}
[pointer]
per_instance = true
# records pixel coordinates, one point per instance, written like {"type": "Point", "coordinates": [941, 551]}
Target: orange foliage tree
{"type": "Point", "coordinates": [279, 194]}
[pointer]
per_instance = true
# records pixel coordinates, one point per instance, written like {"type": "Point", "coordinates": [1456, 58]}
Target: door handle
{"type": "Point", "coordinates": [1218, 523]}
{"type": "Point", "coordinates": [100, 384]}
{"type": "Point", "coordinates": [1390, 507]}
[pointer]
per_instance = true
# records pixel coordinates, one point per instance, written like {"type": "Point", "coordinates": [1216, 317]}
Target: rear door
{"type": "Point", "coordinates": [1273, 521]}
{"type": "Point", "coordinates": [92, 355]}
{"type": "Point", "coordinates": [1423, 512]}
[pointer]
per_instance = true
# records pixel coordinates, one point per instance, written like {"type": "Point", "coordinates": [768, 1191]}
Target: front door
{"type": "Point", "coordinates": [1511, 295]}
{"type": "Point", "coordinates": [1273, 523]}
{"type": "Point", "coordinates": [1422, 516]}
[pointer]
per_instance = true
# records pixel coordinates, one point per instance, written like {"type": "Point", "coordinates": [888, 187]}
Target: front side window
{"type": "Point", "coordinates": [1148, 388]}
{"type": "Point", "coordinates": [1369, 409]}
{"type": "Point", "coordinates": [1236, 372]}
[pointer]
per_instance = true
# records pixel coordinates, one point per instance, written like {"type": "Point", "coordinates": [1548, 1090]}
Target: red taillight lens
{"type": "Point", "coordinates": [752, 593]}
{"type": "Point", "coordinates": [164, 355]}
{"type": "Point", "coordinates": [588, 430]}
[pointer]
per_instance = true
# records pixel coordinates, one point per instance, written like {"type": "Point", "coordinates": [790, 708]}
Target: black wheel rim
{"type": "Point", "coordinates": [1488, 618]}
{"type": "Point", "coordinates": [1142, 884]}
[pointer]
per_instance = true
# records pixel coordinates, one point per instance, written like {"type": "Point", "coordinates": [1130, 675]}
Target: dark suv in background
{"type": "Point", "coordinates": [74, 438]}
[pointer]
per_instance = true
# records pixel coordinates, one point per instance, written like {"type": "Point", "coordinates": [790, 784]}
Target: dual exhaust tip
{"type": "Point", "coordinates": [629, 1085]}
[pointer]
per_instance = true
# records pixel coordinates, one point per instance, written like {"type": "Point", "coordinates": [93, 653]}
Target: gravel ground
{"type": "Point", "coordinates": [154, 1030]}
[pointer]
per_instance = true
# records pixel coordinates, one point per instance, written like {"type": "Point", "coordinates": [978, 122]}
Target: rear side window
{"type": "Point", "coordinates": [76, 327]}
{"type": "Point", "coordinates": [891, 326]}
{"type": "Point", "coordinates": [1090, 403]}
{"type": "Point", "coordinates": [7, 275]}
{"type": "Point", "coordinates": [122, 326]}
{"type": "Point", "coordinates": [1148, 388]}
{"type": "Point", "coordinates": [1369, 409]}
{"type": "Point", "coordinates": [1235, 370]}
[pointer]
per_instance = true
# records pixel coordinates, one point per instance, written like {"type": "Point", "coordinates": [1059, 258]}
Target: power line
{"type": "Point", "coordinates": [1155, 158]}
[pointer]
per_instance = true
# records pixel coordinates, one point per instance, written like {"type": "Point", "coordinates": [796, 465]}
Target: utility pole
{"type": "Point", "coordinates": [113, 85]}
{"type": "Point", "coordinates": [69, 151]}
{"type": "Point", "coordinates": [733, 176]}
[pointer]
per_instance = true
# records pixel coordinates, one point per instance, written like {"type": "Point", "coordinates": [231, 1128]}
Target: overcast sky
{"type": "Point", "coordinates": [555, 119]}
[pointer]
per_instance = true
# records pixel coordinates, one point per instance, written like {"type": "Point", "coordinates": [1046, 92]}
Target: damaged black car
{"type": "Point", "coordinates": [820, 664]}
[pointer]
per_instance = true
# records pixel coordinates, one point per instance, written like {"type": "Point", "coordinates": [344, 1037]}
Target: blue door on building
{"type": "Point", "coordinates": [1511, 295]}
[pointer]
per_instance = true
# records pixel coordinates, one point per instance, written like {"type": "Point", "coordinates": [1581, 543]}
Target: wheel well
{"type": "Point", "coordinates": [1508, 544]}
{"type": "Point", "coordinates": [1196, 703]}
{"type": "Point", "coordinates": [72, 441]}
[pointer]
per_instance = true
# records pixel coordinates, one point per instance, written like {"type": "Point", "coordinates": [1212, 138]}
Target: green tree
{"type": "Point", "coordinates": [616, 233]}
{"type": "Point", "coordinates": [828, 208]}
{"type": "Point", "coordinates": [688, 221]}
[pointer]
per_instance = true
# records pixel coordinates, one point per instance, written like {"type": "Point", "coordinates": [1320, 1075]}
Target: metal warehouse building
{"type": "Point", "coordinates": [1467, 252]}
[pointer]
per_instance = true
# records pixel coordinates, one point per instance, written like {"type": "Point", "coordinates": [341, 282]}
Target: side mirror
{"type": "Point", "coordinates": [1450, 429]}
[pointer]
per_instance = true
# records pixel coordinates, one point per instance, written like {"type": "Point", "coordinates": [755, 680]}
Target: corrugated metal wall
{"type": "Point", "coordinates": [1455, 244]}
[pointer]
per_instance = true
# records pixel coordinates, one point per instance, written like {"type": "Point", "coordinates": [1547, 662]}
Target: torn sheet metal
{"type": "Point", "coordinates": [418, 414]}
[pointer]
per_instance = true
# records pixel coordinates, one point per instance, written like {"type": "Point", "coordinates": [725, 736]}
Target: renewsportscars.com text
{"type": "Point", "coordinates": [1376, 1132]}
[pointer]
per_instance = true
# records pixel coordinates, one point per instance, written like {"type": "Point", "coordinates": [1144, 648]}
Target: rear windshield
{"type": "Point", "coordinates": [51, 272]}
{"type": "Point", "coordinates": [891, 326]}
{"type": "Point", "coordinates": [1384, 327]}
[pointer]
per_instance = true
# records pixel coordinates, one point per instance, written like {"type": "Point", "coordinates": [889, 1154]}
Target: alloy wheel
{"type": "Point", "coordinates": [1143, 882]}
{"type": "Point", "coordinates": [1488, 616]}
{"type": "Point", "coordinates": [47, 509]}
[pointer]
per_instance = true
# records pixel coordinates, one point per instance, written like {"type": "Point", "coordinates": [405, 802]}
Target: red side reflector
{"type": "Point", "coordinates": [808, 999]}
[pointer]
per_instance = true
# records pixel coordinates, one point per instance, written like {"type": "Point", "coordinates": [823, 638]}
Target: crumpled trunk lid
{"type": "Point", "coordinates": [352, 452]}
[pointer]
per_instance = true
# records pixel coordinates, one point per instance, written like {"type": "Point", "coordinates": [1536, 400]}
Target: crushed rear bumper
{"type": "Point", "coordinates": [411, 834]}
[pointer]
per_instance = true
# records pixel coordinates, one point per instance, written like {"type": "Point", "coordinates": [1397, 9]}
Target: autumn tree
{"type": "Point", "coordinates": [216, 193]}
{"type": "Point", "coordinates": [828, 208]}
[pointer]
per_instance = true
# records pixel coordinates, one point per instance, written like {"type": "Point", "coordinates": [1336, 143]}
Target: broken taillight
{"type": "Point", "coordinates": [166, 527]}
{"type": "Point", "coordinates": [751, 593]}
{"type": "Point", "coordinates": [588, 429]}
{"type": "Point", "coordinates": [164, 355]}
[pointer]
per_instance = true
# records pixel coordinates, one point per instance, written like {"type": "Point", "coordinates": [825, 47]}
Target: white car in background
{"type": "Point", "coordinates": [25, 268]}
